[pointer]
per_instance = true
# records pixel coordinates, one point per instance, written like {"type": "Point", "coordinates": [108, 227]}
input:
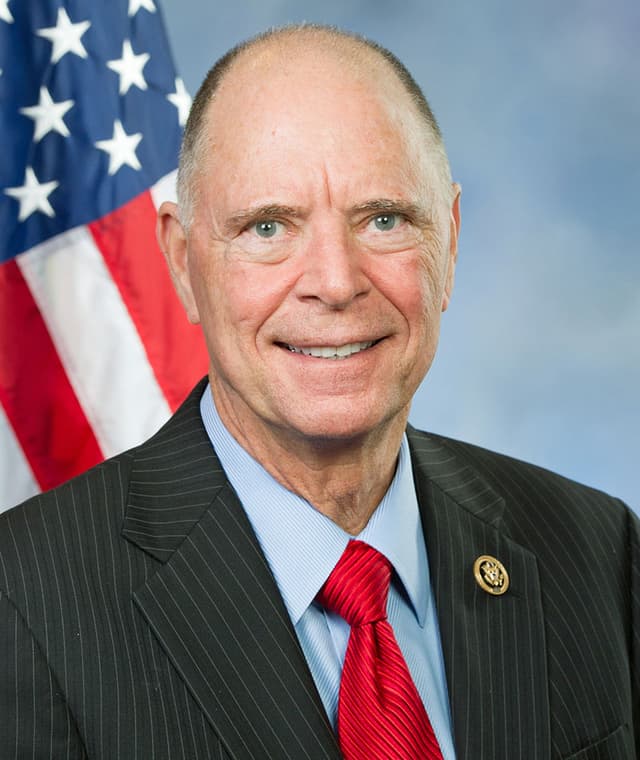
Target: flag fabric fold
{"type": "Point", "coordinates": [95, 350]}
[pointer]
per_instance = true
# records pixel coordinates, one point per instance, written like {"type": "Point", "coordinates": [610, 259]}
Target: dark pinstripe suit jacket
{"type": "Point", "coordinates": [138, 617]}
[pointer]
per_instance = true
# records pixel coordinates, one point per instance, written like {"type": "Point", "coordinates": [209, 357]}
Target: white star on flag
{"type": "Point", "coordinates": [121, 148]}
{"type": "Point", "coordinates": [33, 196]}
{"type": "Point", "coordinates": [181, 100]}
{"type": "Point", "coordinates": [65, 36]}
{"type": "Point", "coordinates": [5, 13]}
{"type": "Point", "coordinates": [135, 5]}
{"type": "Point", "coordinates": [129, 68]}
{"type": "Point", "coordinates": [91, 231]}
{"type": "Point", "coordinates": [48, 116]}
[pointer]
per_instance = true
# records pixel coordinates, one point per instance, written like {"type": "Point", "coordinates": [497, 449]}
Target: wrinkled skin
{"type": "Point", "coordinates": [319, 223]}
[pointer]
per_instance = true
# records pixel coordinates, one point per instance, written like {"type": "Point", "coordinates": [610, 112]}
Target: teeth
{"type": "Point", "coordinates": [332, 352]}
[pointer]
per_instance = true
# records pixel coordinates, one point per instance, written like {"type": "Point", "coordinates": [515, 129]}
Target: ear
{"type": "Point", "coordinates": [172, 239]}
{"type": "Point", "coordinates": [454, 231]}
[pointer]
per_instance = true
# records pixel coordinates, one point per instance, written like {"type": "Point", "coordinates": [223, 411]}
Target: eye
{"type": "Point", "coordinates": [386, 222]}
{"type": "Point", "coordinates": [267, 228]}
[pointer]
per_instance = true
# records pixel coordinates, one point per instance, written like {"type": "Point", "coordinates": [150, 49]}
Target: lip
{"type": "Point", "coordinates": [331, 351]}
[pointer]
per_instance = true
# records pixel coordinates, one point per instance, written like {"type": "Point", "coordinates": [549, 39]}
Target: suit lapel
{"type": "Point", "coordinates": [213, 604]}
{"type": "Point", "coordinates": [214, 607]}
{"type": "Point", "coordinates": [493, 646]}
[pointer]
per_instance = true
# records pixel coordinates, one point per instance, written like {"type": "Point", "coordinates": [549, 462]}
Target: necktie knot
{"type": "Point", "coordinates": [358, 586]}
{"type": "Point", "coordinates": [380, 713]}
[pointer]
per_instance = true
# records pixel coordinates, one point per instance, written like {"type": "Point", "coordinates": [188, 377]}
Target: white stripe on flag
{"type": "Point", "coordinates": [164, 189]}
{"type": "Point", "coordinates": [96, 339]}
{"type": "Point", "coordinates": [16, 477]}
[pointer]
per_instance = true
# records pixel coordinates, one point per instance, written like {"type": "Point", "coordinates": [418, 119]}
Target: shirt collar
{"type": "Point", "coordinates": [301, 545]}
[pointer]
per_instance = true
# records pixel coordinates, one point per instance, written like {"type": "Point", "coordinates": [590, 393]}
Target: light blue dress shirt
{"type": "Point", "coordinates": [302, 546]}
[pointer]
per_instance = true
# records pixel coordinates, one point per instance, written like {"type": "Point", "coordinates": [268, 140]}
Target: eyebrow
{"type": "Point", "coordinates": [246, 216]}
{"type": "Point", "coordinates": [382, 205]}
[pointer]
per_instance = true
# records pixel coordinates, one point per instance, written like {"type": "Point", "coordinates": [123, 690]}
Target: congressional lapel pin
{"type": "Point", "coordinates": [491, 575]}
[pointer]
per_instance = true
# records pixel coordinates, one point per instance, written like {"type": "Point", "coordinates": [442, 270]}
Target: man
{"type": "Point", "coordinates": [176, 602]}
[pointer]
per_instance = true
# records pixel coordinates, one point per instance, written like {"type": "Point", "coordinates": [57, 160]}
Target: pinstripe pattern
{"type": "Point", "coordinates": [547, 669]}
{"type": "Point", "coordinates": [139, 618]}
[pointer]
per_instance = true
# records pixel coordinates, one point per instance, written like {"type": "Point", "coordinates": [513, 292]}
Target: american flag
{"type": "Point", "coordinates": [95, 350]}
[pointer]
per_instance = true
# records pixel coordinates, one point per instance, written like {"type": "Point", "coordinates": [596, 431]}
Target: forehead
{"type": "Point", "coordinates": [311, 65]}
{"type": "Point", "coordinates": [303, 105]}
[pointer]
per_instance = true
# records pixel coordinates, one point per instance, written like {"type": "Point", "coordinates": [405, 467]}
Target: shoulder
{"type": "Point", "coordinates": [536, 499]}
{"type": "Point", "coordinates": [502, 471]}
{"type": "Point", "coordinates": [107, 484]}
{"type": "Point", "coordinates": [105, 481]}
{"type": "Point", "coordinates": [78, 526]}
{"type": "Point", "coordinates": [54, 523]}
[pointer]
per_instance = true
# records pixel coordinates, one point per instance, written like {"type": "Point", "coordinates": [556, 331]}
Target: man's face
{"type": "Point", "coordinates": [320, 255]}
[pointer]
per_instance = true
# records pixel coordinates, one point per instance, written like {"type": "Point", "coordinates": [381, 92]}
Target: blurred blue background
{"type": "Point", "coordinates": [539, 103]}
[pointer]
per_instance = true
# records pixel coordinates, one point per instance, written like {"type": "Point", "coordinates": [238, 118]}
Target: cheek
{"type": "Point", "coordinates": [242, 297]}
{"type": "Point", "coordinates": [414, 287]}
{"type": "Point", "coordinates": [216, 296]}
{"type": "Point", "coordinates": [434, 264]}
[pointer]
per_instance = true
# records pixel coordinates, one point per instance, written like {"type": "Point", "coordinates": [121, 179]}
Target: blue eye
{"type": "Point", "coordinates": [385, 222]}
{"type": "Point", "coordinates": [266, 229]}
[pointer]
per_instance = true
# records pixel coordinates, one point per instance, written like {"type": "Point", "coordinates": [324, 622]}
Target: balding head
{"type": "Point", "coordinates": [321, 229]}
{"type": "Point", "coordinates": [276, 50]}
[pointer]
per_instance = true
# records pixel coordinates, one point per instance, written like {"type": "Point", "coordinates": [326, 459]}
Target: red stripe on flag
{"type": "Point", "coordinates": [175, 347]}
{"type": "Point", "coordinates": [35, 392]}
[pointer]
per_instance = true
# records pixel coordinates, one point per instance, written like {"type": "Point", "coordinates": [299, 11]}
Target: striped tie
{"type": "Point", "coordinates": [380, 713]}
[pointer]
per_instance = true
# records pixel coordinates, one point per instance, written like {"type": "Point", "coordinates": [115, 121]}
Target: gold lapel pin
{"type": "Point", "coordinates": [491, 575]}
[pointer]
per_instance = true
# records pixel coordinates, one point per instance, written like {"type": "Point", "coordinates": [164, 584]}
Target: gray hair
{"type": "Point", "coordinates": [195, 134]}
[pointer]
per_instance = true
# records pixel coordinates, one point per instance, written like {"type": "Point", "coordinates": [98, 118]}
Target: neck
{"type": "Point", "coordinates": [344, 479]}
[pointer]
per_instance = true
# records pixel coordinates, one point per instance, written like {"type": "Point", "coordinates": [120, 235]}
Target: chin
{"type": "Point", "coordinates": [341, 425]}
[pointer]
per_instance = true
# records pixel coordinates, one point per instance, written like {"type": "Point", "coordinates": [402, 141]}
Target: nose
{"type": "Point", "coordinates": [332, 265]}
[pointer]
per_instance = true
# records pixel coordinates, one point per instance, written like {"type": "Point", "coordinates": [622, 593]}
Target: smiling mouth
{"type": "Point", "coordinates": [331, 352]}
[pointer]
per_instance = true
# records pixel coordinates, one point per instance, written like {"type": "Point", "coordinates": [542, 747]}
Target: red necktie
{"type": "Point", "coordinates": [380, 713]}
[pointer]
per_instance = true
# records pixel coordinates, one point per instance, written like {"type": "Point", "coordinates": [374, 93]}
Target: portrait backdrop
{"type": "Point", "coordinates": [540, 108]}
{"type": "Point", "coordinates": [539, 104]}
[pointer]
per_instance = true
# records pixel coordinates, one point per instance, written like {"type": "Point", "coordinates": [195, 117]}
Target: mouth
{"type": "Point", "coordinates": [331, 352]}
